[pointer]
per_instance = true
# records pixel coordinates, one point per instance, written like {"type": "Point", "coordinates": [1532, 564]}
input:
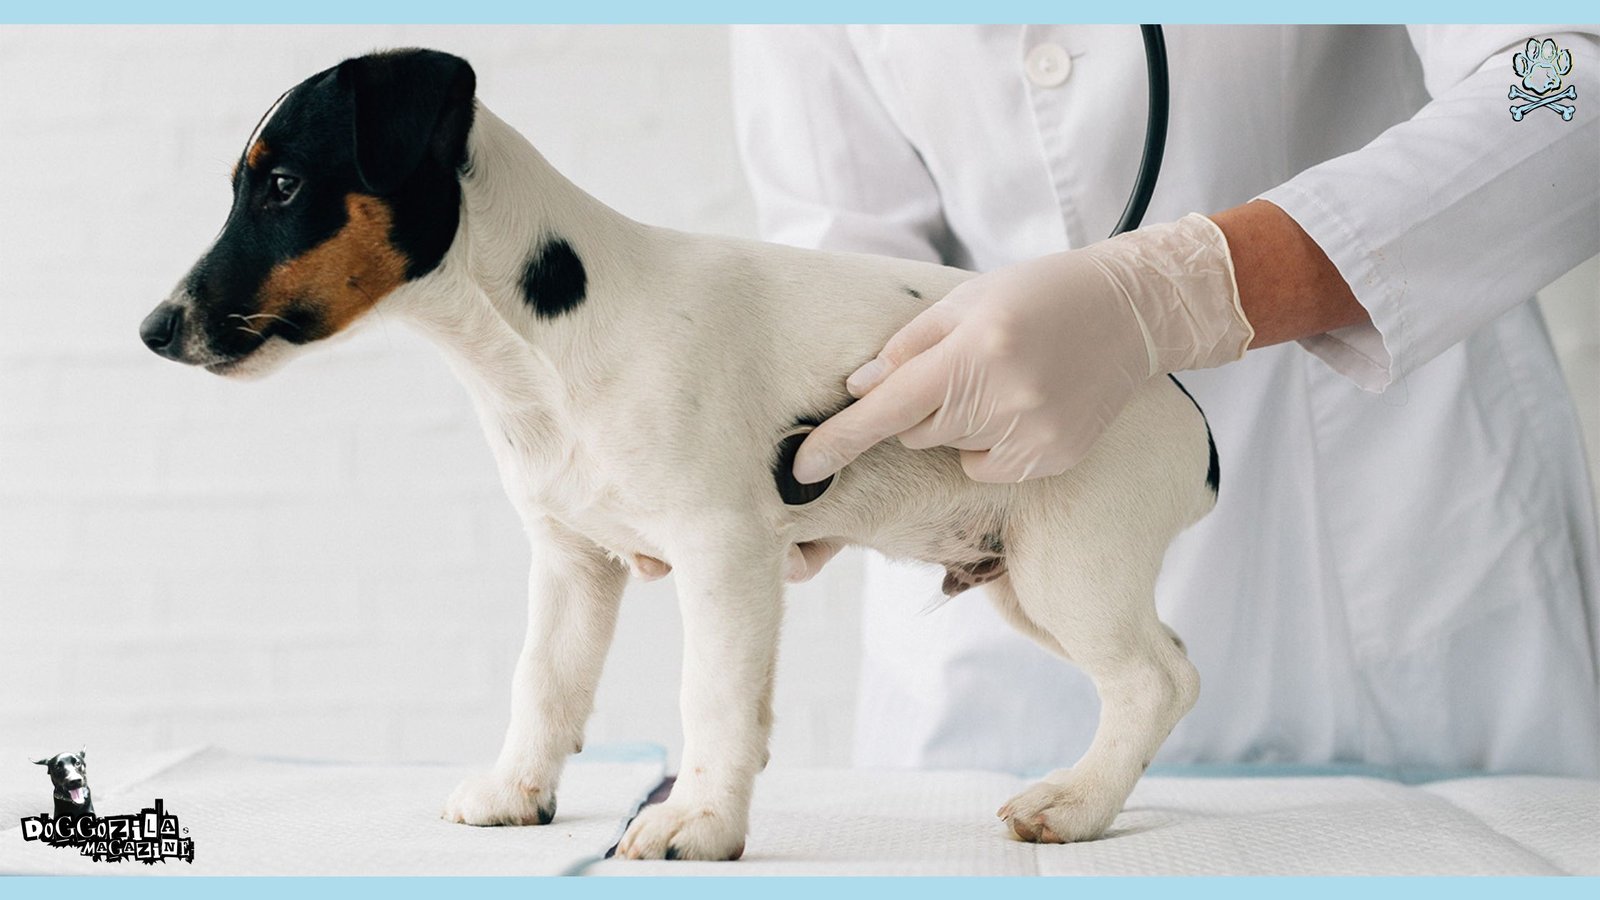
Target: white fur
{"type": "Point", "coordinates": [643, 424]}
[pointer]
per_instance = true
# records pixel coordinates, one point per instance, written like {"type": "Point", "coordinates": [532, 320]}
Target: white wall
{"type": "Point", "coordinates": [321, 563]}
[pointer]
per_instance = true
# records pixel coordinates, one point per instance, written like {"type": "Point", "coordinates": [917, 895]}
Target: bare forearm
{"type": "Point", "coordinates": [1288, 287]}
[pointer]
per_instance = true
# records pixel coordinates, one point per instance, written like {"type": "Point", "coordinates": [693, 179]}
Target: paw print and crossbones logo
{"type": "Point", "coordinates": [1541, 66]}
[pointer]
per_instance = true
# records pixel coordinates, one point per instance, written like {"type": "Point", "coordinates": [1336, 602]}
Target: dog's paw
{"type": "Point", "coordinates": [1049, 813]}
{"type": "Point", "coordinates": [491, 799]}
{"type": "Point", "coordinates": [682, 831]}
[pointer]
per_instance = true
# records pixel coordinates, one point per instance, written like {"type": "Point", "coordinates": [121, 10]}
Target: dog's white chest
{"type": "Point", "coordinates": [570, 486]}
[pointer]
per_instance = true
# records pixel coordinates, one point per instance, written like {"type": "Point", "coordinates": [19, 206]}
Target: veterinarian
{"type": "Point", "coordinates": [1402, 570]}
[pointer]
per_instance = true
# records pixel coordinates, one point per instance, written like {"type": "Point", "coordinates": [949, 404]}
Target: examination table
{"type": "Point", "coordinates": [258, 816]}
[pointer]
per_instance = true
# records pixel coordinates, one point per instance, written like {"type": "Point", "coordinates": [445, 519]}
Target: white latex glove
{"type": "Point", "coordinates": [1022, 368]}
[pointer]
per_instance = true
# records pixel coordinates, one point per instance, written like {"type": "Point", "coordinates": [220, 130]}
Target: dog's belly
{"type": "Point", "coordinates": [923, 515]}
{"type": "Point", "coordinates": [609, 531]}
{"type": "Point", "coordinates": [643, 558]}
{"type": "Point", "coordinates": [972, 553]}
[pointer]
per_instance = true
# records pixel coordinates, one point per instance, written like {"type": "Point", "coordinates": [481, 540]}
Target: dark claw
{"type": "Point", "coordinates": [547, 814]}
{"type": "Point", "coordinates": [672, 852]}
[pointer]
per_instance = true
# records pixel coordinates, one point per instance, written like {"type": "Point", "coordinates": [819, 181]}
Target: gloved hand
{"type": "Point", "coordinates": [1022, 368]}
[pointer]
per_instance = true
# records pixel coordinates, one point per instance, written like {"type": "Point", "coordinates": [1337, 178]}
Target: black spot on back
{"type": "Point", "coordinates": [554, 281]}
{"type": "Point", "coordinates": [913, 292]}
{"type": "Point", "coordinates": [1214, 470]}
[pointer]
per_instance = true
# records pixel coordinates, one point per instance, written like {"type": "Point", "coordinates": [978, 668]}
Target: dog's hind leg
{"type": "Point", "coordinates": [1093, 595]}
{"type": "Point", "coordinates": [574, 590]}
{"type": "Point", "coordinates": [1004, 597]}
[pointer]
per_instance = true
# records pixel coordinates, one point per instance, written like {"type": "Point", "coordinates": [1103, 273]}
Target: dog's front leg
{"type": "Point", "coordinates": [574, 590]}
{"type": "Point", "coordinates": [731, 596]}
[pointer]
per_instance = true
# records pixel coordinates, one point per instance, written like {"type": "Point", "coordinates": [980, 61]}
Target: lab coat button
{"type": "Point", "coordinates": [1048, 65]}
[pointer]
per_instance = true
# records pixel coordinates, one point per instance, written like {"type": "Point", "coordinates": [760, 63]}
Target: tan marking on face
{"type": "Point", "coordinates": [253, 157]}
{"type": "Point", "coordinates": [345, 275]}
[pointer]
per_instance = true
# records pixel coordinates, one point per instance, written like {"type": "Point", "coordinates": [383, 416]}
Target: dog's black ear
{"type": "Point", "coordinates": [411, 107]}
{"type": "Point", "coordinates": [42, 762]}
{"type": "Point", "coordinates": [83, 753]}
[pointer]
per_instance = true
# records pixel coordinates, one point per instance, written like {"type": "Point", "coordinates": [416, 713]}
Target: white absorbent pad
{"type": "Point", "coordinates": [254, 816]}
{"type": "Point", "coordinates": [825, 822]}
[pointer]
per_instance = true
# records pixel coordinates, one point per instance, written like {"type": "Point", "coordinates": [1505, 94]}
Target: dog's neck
{"type": "Point", "coordinates": [517, 364]}
{"type": "Point", "coordinates": [513, 203]}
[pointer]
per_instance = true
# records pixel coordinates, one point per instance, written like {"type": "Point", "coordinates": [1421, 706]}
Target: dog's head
{"type": "Point", "coordinates": [69, 773]}
{"type": "Point", "coordinates": [348, 189]}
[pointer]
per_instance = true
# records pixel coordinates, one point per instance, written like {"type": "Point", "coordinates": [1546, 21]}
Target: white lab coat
{"type": "Point", "coordinates": [1402, 569]}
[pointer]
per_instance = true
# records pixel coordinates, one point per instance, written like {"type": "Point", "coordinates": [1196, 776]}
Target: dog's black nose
{"type": "Point", "coordinates": [161, 328]}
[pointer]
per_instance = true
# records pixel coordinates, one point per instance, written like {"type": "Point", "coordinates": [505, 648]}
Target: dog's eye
{"type": "Point", "coordinates": [282, 187]}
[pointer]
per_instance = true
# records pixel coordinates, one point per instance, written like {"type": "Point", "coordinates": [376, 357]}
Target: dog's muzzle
{"type": "Point", "coordinates": [176, 329]}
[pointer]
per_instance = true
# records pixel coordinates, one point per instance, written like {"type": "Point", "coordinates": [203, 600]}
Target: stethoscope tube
{"type": "Point", "coordinates": [1155, 129]}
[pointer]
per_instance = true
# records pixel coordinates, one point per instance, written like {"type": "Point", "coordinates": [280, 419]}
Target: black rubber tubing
{"type": "Point", "coordinates": [1155, 130]}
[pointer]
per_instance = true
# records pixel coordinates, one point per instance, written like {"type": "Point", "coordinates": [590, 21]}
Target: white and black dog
{"type": "Point", "coordinates": [636, 384]}
{"type": "Point", "coordinates": [69, 781]}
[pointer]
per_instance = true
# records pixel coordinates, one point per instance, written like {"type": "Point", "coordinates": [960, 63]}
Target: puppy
{"type": "Point", "coordinates": [635, 384]}
{"type": "Point", "coordinates": [69, 776]}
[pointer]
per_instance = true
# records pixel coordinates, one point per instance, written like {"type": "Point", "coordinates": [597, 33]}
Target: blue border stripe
{"type": "Point", "coordinates": [320, 12]}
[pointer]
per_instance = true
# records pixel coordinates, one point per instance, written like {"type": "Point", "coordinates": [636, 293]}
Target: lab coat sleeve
{"type": "Point", "coordinates": [828, 166]}
{"type": "Point", "coordinates": [1449, 219]}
